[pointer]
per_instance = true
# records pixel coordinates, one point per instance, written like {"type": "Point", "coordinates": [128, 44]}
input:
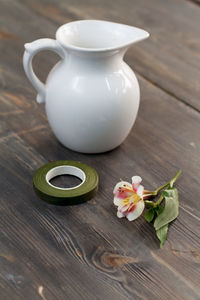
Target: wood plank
{"type": "Point", "coordinates": [185, 230]}
{"type": "Point", "coordinates": [43, 244]}
{"type": "Point", "coordinates": [178, 133]}
{"type": "Point", "coordinates": [169, 59]}
{"type": "Point", "coordinates": [49, 252]}
{"type": "Point", "coordinates": [191, 144]}
{"type": "Point", "coordinates": [195, 1]}
{"type": "Point", "coordinates": [39, 252]}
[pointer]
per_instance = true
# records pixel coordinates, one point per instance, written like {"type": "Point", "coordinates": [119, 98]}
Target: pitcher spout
{"type": "Point", "coordinates": [98, 36]}
{"type": "Point", "coordinates": [133, 34]}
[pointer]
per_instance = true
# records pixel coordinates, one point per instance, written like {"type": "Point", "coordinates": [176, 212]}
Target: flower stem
{"type": "Point", "coordinates": [150, 204]}
{"type": "Point", "coordinates": [170, 183]}
{"type": "Point", "coordinates": [159, 201]}
{"type": "Point", "coordinates": [175, 178]}
{"type": "Point", "coordinates": [155, 193]}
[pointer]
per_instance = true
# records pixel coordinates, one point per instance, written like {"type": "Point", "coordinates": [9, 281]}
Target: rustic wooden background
{"type": "Point", "coordinates": [86, 252]}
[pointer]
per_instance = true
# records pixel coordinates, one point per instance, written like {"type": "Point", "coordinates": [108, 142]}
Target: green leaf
{"type": "Point", "coordinates": [149, 215]}
{"type": "Point", "coordinates": [170, 211]}
{"type": "Point", "coordinates": [149, 204]}
{"type": "Point", "coordinates": [165, 193]}
{"type": "Point", "coordinates": [159, 209]}
{"type": "Point", "coordinates": [162, 234]}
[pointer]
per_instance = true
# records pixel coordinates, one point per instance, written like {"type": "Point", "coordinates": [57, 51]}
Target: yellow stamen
{"type": "Point", "coordinates": [135, 198]}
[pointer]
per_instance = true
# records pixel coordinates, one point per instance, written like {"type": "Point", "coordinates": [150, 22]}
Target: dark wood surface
{"type": "Point", "coordinates": [86, 252]}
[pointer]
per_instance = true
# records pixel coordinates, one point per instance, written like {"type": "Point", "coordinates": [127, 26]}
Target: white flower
{"type": "Point", "coordinates": [129, 198]}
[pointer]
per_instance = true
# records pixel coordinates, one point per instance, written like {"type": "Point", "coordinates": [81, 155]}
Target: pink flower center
{"type": "Point", "coordinates": [124, 193]}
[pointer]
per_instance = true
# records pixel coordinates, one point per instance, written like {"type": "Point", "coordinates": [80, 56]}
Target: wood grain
{"type": "Point", "coordinates": [49, 252]}
{"type": "Point", "coordinates": [169, 58]}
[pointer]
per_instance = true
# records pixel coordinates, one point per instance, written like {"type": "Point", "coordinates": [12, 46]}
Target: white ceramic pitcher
{"type": "Point", "coordinates": [91, 95]}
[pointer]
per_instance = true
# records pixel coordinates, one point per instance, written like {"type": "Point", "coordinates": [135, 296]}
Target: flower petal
{"type": "Point", "coordinates": [120, 215]}
{"type": "Point", "coordinates": [119, 195]}
{"type": "Point", "coordinates": [140, 190]}
{"type": "Point", "coordinates": [136, 180]}
{"type": "Point", "coordinates": [117, 201]}
{"type": "Point", "coordinates": [136, 212]}
{"type": "Point", "coordinates": [123, 208]}
{"type": "Point", "coordinates": [121, 184]}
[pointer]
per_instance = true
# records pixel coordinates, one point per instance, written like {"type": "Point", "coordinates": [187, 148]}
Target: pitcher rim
{"type": "Point", "coordinates": [70, 46]}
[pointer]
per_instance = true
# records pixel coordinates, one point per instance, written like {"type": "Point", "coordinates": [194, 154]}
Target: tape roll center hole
{"type": "Point", "coordinates": [65, 177]}
{"type": "Point", "coordinates": [65, 181]}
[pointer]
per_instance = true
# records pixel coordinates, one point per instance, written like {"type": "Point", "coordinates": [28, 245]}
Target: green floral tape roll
{"type": "Point", "coordinates": [65, 196]}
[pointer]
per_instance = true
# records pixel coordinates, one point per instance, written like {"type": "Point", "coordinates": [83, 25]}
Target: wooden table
{"type": "Point", "coordinates": [86, 252]}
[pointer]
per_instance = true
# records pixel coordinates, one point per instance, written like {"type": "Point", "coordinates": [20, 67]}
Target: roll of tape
{"type": "Point", "coordinates": [65, 196]}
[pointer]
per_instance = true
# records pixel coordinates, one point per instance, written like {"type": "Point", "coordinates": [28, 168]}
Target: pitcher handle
{"type": "Point", "coordinates": [31, 49]}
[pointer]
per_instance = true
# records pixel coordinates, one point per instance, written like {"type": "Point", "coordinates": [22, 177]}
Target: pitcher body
{"type": "Point", "coordinates": [91, 96]}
